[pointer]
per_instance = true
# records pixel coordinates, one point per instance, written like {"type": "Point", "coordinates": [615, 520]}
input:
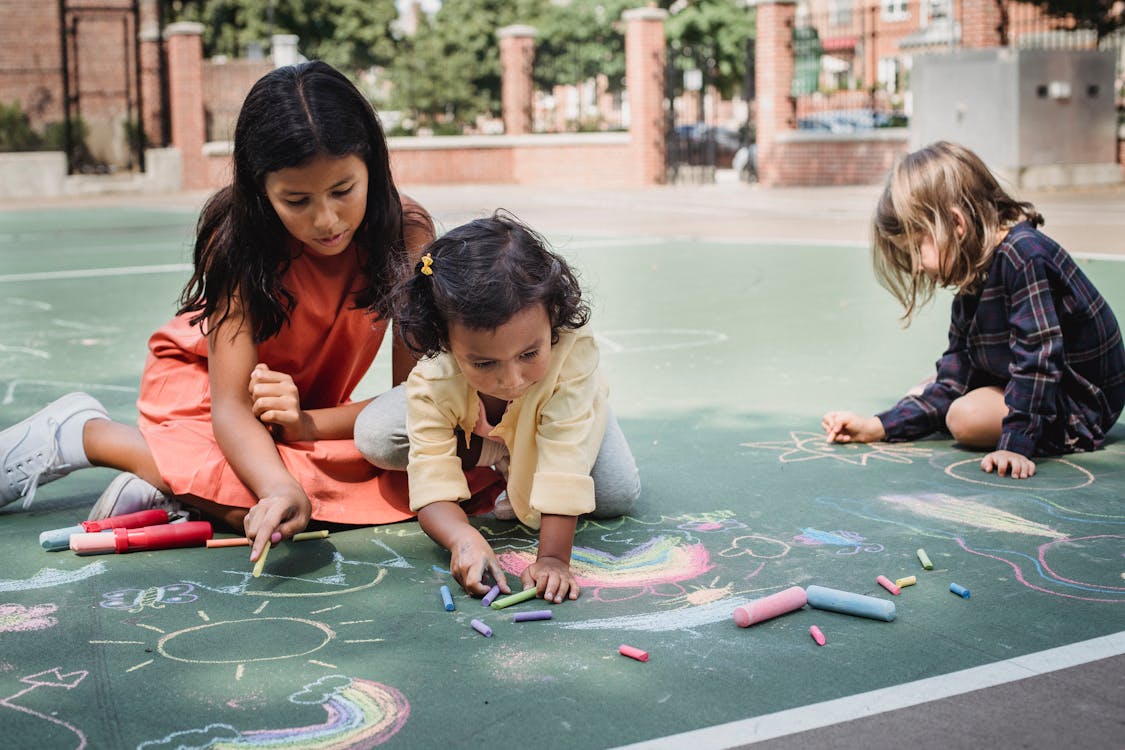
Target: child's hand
{"type": "Point", "coordinates": [1008, 463]}
{"type": "Point", "coordinates": [470, 558]}
{"type": "Point", "coordinates": [275, 518]}
{"type": "Point", "coordinates": [275, 401]}
{"type": "Point", "coordinates": [847, 427]}
{"type": "Point", "coordinates": [552, 578]}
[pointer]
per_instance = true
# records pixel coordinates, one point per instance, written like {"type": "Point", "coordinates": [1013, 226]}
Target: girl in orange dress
{"type": "Point", "coordinates": [245, 411]}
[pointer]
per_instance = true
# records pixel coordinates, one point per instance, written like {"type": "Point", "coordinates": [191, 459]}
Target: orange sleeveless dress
{"type": "Point", "coordinates": [327, 347]}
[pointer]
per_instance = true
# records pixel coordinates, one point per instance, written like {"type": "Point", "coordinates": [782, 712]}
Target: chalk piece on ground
{"type": "Point", "coordinates": [904, 582]}
{"type": "Point", "coordinates": [507, 601]}
{"type": "Point", "coordinates": [539, 614]}
{"type": "Point", "coordinates": [817, 636]}
{"type": "Point", "coordinates": [886, 583]}
{"type": "Point", "coordinates": [960, 590]}
{"type": "Point", "coordinates": [447, 599]}
{"type": "Point", "coordinates": [850, 603]}
{"type": "Point", "coordinates": [481, 628]}
{"type": "Point", "coordinates": [633, 653]}
{"type": "Point", "coordinates": [924, 559]}
{"type": "Point", "coordinates": [767, 607]}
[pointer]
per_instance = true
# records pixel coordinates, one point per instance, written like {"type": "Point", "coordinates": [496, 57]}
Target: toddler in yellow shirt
{"type": "Point", "coordinates": [509, 378]}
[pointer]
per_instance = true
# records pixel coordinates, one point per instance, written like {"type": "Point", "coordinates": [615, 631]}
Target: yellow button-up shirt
{"type": "Point", "coordinates": [553, 432]}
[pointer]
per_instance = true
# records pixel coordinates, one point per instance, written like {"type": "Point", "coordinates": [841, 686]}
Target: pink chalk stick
{"type": "Point", "coordinates": [817, 636]}
{"type": "Point", "coordinates": [633, 653]}
{"type": "Point", "coordinates": [888, 584]}
{"type": "Point", "coordinates": [770, 606]}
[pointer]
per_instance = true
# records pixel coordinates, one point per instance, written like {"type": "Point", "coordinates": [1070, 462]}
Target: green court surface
{"type": "Point", "coordinates": [722, 358]}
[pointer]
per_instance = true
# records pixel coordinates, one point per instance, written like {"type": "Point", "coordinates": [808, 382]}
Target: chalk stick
{"type": "Point", "coordinates": [241, 541]}
{"type": "Point", "coordinates": [633, 653]}
{"type": "Point", "coordinates": [481, 628]}
{"type": "Point", "coordinates": [850, 603]}
{"type": "Point", "coordinates": [447, 599]}
{"type": "Point", "coordinates": [770, 606]}
{"type": "Point", "coordinates": [492, 594]}
{"type": "Point", "coordinates": [261, 561]}
{"type": "Point", "coordinates": [960, 590]}
{"type": "Point", "coordinates": [904, 582]}
{"type": "Point", "coordinates": [886, 583]}
{"type": "Point", "coordinates": [924, 559]}
{"type": "Point", "coordinates": [507, 601]}
{"type": "Point", "coordinates": [817, 636]}
{"type": "Point", "coordinates": [539, 614]}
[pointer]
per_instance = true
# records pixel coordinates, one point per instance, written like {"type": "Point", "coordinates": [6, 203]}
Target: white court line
{"type": "Point", "coordinates": [827, 713]}
{"type": "Point", "coordinates": [90, 273]}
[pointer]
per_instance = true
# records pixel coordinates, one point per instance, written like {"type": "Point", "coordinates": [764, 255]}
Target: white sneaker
{"type": "Point", "coordinates": [128, 493]}
{"type": "Point", "coordinates": [45, 446]}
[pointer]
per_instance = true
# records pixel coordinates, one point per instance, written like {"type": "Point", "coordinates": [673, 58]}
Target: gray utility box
{"type": "Point", "coordinates": [1038, 118]}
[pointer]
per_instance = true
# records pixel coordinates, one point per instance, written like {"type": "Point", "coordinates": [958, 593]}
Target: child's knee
{"type": "Point", "coordinates": [381, 438]}
{"type": "Point", "coordinates": [618, 497]}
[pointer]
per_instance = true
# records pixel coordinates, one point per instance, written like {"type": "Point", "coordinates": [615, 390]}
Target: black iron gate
{"type": "Point", "coordinates": [694, 147]}
{"type": "Point", "coordinates": [101, 78]}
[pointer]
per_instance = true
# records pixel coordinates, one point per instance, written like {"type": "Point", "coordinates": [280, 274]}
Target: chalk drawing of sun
{"type": "Point", "coordinates": [809, 446]}
{"type": "Point", "coordinates": [237, 642]}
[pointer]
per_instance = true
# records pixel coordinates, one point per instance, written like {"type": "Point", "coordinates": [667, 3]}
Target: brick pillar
{"type": "Point", "coordinates": [980, 24]}
{"type": "Point", "coordinates": [517, 56]}
{"type": "Point", "coordinates": [184, 42]}
{"type": "Point", "coordinates": [644, 82]}
{"type": "Point", "coordinates": [773, 78]}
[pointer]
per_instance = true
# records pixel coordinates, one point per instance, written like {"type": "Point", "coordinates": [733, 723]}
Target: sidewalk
{"type": "Point", "coordinates": [1083, 220]}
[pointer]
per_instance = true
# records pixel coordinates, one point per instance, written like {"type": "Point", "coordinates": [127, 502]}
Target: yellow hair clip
{"type": "Point", "coordinates": [427, 262]}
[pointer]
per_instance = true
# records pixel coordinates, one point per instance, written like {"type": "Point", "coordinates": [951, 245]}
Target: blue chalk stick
{"type": "Point", "coordinates": [490, 596]}
{"type": "Point", "coordinates": [447, 599]}
{"type": "Point", "coordinates": [850, 603]}
{"type": "Point", "coordinates": [960, 590]}
{"type": "Point", "coordinates": [57, 539]}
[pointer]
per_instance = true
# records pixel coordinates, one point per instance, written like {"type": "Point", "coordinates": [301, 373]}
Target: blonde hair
{"type": "Point", "coordinates": [924, 192]}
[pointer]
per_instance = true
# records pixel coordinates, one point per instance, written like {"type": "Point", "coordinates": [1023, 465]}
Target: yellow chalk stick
{"type": "Point", "coordinates": [908, 581]}
{"type": "Point", "coordinates": [261, 561]}
{"type": "Point", "coordinates": [305, 536]}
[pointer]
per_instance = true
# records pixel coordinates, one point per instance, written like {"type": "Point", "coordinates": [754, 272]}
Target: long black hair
{"type": "Point", "coordinates": [291, 115]}
{"type": "Point", "coordinates": [480, 274]}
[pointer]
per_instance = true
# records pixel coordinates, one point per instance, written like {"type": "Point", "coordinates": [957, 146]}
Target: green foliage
{"type": "Point", "coordinates": [450, 70]}
{"type": "Point", "coordinates": [712, 35]}
{"type": "Point", "coordinates": [1104, 16]}
{"type": "Point", "coordinates": [16, 133]}
{"type": "Point", "coordinates": [349, 34]}
{"type": "Point", "coordinates": [581, 40]}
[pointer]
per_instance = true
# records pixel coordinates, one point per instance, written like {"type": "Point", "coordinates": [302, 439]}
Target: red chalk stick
{"type": "Point", "coordinates": [770, 606]}
{"type": "Point", "coordinates": [817, 636]}
{"type": "Point", "coordinates": [633, 653]}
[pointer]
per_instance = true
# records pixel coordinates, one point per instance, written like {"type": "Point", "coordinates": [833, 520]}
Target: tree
{"type": "Point", "coordinates": [1104, 16]}
{"type": "Point", "coordinates": [712, 35]}
{"type": "Point", "coordinates": [581, 40]}
{"type": "Point", "coordinates": [352, 35]}
{"type": "Point", "coordinates": [451, 68]}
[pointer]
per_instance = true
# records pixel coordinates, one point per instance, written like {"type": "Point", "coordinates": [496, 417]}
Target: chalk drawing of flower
{"type": "Point", "coordinates": [16, 618]}
{"type": "Point", "coordinates": [810, 446]}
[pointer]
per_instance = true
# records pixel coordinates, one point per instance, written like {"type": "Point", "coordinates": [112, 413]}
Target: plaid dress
{"type": "Point", "coordinates": [1039, 330]}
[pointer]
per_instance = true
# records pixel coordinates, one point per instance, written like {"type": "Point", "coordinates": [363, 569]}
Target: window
{"type": "Point", "coordinates": [840, 12]}
{"type": "Point", "coordinates": [935, 10]}
{"type": "Point", "coordinates": [894, 10]}
{"type": "Point", "coordinates": [888, 73]}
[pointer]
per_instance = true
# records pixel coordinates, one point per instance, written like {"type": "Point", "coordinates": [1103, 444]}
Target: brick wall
{"type": "Point", "coordinates": [225, 85]}
{"type": "Point", "coordinates": [810, 158]}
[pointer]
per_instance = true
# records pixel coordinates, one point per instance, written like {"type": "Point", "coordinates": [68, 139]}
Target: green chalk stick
{"type": "Point", "coordinates": [507, 601]}
{"type": "Point", "coordinates": [924, 559]}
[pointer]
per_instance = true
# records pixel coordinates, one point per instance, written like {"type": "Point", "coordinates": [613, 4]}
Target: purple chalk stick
{"type": "Point", "coordinates": [539, 614]}
{"type": "Point", "coordinates": [492, 594]}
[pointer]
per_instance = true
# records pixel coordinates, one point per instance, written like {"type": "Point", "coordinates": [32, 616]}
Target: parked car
{"type": "Point", "coordinates": [701, 144]}
{"type": "Point", "coordinates": [845, 120]}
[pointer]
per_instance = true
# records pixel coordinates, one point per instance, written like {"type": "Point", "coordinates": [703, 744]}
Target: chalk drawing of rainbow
{"type": "Point", "coordinates": [361, 715]}
{"type": "Point", "coordinates": [658, 562]}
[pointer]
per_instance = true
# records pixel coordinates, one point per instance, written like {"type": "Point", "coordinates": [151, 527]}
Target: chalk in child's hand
{"type": "Point", "coordinates": [258, 566]}
{"type": "Point", "coordinates": [447, 599]}
{"type": "Point", "coordinates": [490, 596]}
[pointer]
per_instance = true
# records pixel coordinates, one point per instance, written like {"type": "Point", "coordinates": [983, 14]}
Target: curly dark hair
{"type": "Point", "coordinates": [291, 115]}
{"type": "Point", "coordinates": [482, 274]}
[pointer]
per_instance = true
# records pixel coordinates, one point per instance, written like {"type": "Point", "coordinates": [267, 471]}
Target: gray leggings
{"type": "Point", "coordinates": [380, 435]}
